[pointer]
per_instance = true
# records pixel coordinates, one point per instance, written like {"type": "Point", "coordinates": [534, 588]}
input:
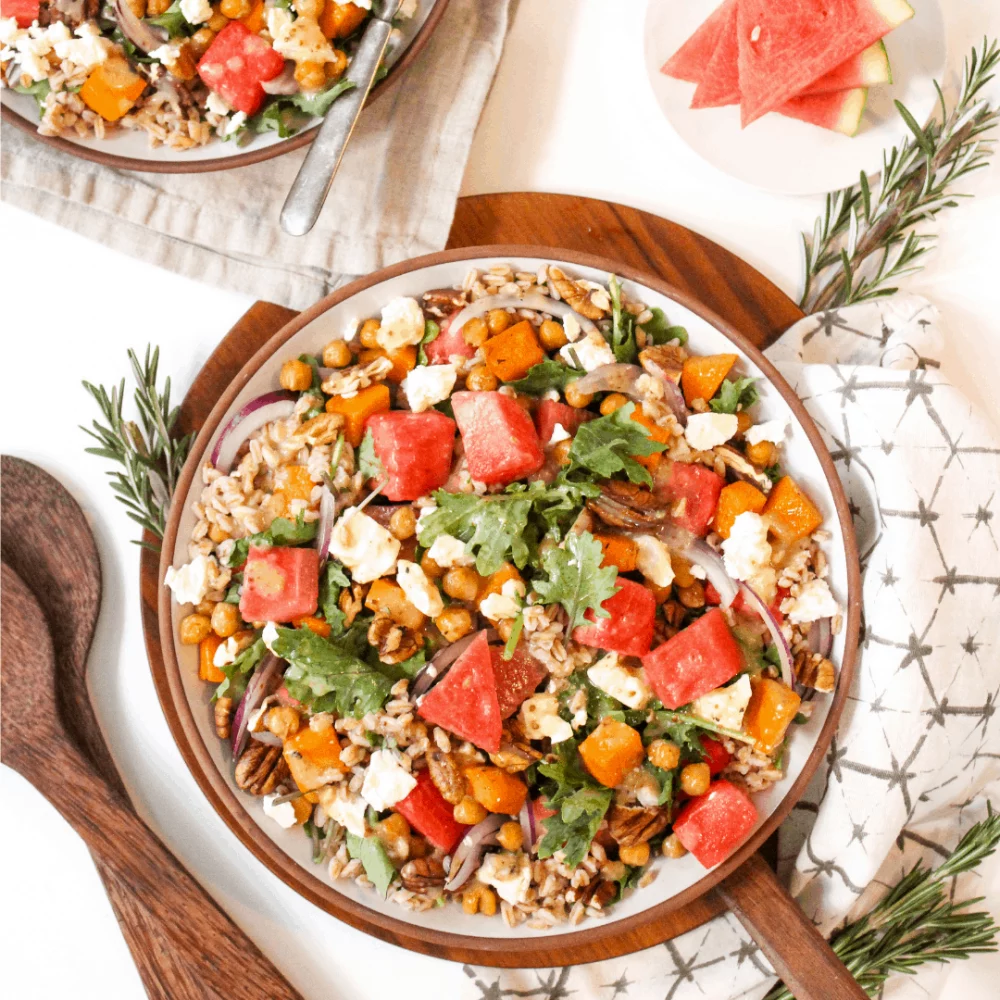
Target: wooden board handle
{"type": "Point", "coordinates": [798, 952]}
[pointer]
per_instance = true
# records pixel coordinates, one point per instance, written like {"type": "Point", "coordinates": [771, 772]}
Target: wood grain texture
{"type": "Point", "coordinates": [47, 543]}
{"type": "Point", "coordinates": [712, 281]}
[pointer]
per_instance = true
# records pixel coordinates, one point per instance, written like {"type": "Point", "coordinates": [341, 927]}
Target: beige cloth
{"type": "Point", "coordinates": [393, 198]}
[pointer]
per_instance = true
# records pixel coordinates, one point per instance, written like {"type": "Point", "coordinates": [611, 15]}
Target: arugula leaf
{"type": "Point", "coordinates": [549, 374]}
{"type": "Point", "coordinates": [38, 90]}
{"type": "Point", "coordinates": [622, 340]}
{"type": "Point", "coordinates": [558, 505]}
{"type": "Point", "coordinates": [332, 581]}
{"type": "Point", "coordinates": [491, 527]}
{"type": "Point", "coordinates": [734, 396]}
{"type": "Point", "coordinates": [665, 779]}
{"type": "Point", "coordinates": [659, 331]}
{"type": "Point", "coordinates": [328, 675]}
{"type": "Point", "coordinates": [431, 331]}
{"type": "Point", "coordinates": [773, 472]}
{"type": "Point", "coordinates": [319, 103]}
{"type": "Point", "coordinates": [581, 805]}
{"type": "Point", "coordinates": [233, 592]}
{"type": "Point", "coordinates": [238, 672]}
{"type": "Point", "coordinates": [288, 115]}
{"type": "Point", "coordinates": [630, 880]}
{"type": "Point", "coordinates": [281, 531]}
{"type": "Point", "coordinates": [576, 579]}
{"type": "Point", "coordinates": [374, 859]}
{"type": "Point", "coordinates": [172, 19]}
{"type": "Point", "coordinates": [684, 730]}
{"type": "Point", "coordinates": [369, 464]}
{"type": "Point", "coordinates": [600, 705]}
{"type": "Point", "coordinates": [609, 444]}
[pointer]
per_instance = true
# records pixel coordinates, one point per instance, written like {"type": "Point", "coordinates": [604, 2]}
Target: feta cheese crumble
{"type": "Point", "coordinates": [813, 601]}
{"type": "Point", "coordinates": [724, 706]}
{"type": "Point", "coordinates": [559, 433]}
{"type": "Point", "coordinates": [591, 352]}
{"type": "Point", "coordinates": [540, 718]}
{"type": "Point", "coordinates": [506, 604]}
{"type": "Point", "coordinates": [344, 807]}
{"type": "Point", "coordinates": [402, 324]}
{"type": "Point", "coordinates": [770, 430]}
{"type": "Point", "coordinates": [420, 591]}
{"type": "Point", "coordinates": [571, 327]}
{"type": "Point", "coordinates": [509, 874]}
{"type": "Point", "coordinates": [625, 685]}
{"type": "Point", "coordinates": [448, 551]}
{"type": "Point", "coordinates": [196, 11]}
{"type": "Point", "coordinates": [89, 49]}
{"type": "Point", "coordinates": [270, 635]}
{"type": "Point", "coordinates": [366, 548]}
{"type": "Point", "coordinates": [747, 555]}
{"type": "Point", "coordinates": [386, 780]}
{"type": "Point", "coordinates": [705, 431]}
{"type": "Point", "coordinates": [426, 385]}
{"type": "Point", "coordinates": [215, 104]}
{"type": "Point", "coordinates": [283, 813]}
{"type": "Point", "coordinates": [190, 583]}
{"type": "Point", "coordinates": [653, 561]}
{"type": "Point", "coordinates": [302, 41]}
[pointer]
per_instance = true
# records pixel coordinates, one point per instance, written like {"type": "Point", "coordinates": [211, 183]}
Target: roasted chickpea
{"type": "Point", "coordinates": [403, 523]}
{"type": "Point", "coordinates": [194, 628]}
{"type": "Point", "coordinates": [762, 454]}
{"type": "Point", "coordinates": [481, 379]}
{"type": "Point", "coordinates": [611, 871]}
{"type": "Point", "coordinates": [577, 399]}
{"type": "Point", "coordinates": [310, 75]}
{"type": "Point", "coordinates": [613, 401]}
{"type": "Point", "coordinates": [475, 332]}
{"type": "Point", "coordinates": [336, 354]}
{"type": "Point", "coordinates": [283, 721]}
{"type": "Point", "coordinates": [672, 847]}
{"type": "Point", "coordinates": [552, 335]}
{"type": "Point", "coordinates": [154, 8]}
{"type": "Point", "coordinates": [217, 533]}
{"type": "Point", "coordinates": [469, 811]}
{"type": "Point", "coordinates": [393, 826]}
{"type": "Point", "coordinates": [479, 898]}
{"type": "Point", "coordinates": [296, 376]}
{"type": "Point", "coordinates": [201, 40]}
{"type": "Point", "coordinates": [693, 596]}
{"type": "Point", "coordinates": [369, 332]}
{"type": "Point", "coordinates": [454, 622]}
{"type": "Point", "coordinates": [695, 778]}
{"type": "Point", "coordinates": [497, 320]}
{"type": "Point", "coordinates": [637, 855]}
{"type": "Point", "coordinates": [334, 69]}
{"type": "Point", "coordinates": [235, 9]}
{"type": "Point", "coordinates": [560, 453]}
{"type": "Point", "coordinates": [743, 422]}
{"type": "Point", "coordinates": [664, 754]}
{"type": "Point", "coordinates": [308, 8]}
{"type": "Point", "coordinates": [430, 567]}
{"type": "Point", "coordinates": [461, 583]}
{"type": "Point", "coordinates": [510, 837]}
{"type": "Point", "coordinates": [225, 619]}
{"type": "Point", "coordinates": [216, 22]}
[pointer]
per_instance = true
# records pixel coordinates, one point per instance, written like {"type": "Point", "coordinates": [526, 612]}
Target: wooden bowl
{"type": "Point", "coordinates": [641, 920]}
{"type": "Point", "coordinates": [167, 161]}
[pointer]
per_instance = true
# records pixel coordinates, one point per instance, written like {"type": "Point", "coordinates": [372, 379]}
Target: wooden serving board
{"type": "Point", "coordinates": [719, 279]}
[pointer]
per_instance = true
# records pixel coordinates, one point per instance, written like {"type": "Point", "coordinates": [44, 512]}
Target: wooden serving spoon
{"type": "Point", "coordinates": [184, 946]}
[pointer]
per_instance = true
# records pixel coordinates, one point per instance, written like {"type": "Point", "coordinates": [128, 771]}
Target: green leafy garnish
{"type": "Point", "coordinates": [332, 581]}
{"type": "Point", "coordinates": [234, 589]}
{"type": "Point", "coordinates": [238, 672]}
{"type": "Point", "coordinates": [431, 331]}
{"type": "Point", "coordinates": [684, 730]}
{"type": "Point", "coordinates": [328, 675]}
{"type": "Point", "coordinates": [659, 331]}
{"type": "Point", "coordinates": [281, 531]}
{"type": "Point", "coordinates": [515, 634]}
{"type": "Point", "coordinates": [288, 115]}
{"type": "Point", "coordinates": [609, 445]}
{"type": "Point", "coordinates": [544, 376]}
{"type": "Point", "coordinates": [622, 338]}
{"type": "Point", "coordinates": [735, 396]}
{"type": "Point", "coordinates": [172, 19]}
{"type": "Point", "coordinates": [773, 472]}
{"type": "Point", "coordinates": [630, 880]}
{"type": "Point", "coordinates": [369, 464]}
{"type": "Point", "coordinates": [39, 90]}
{"type": "Point", "coordinates": [374, 859]}
{"type": "Point", "coordinates": [576, 579]}
{"type": "Point", "coordinates": [557, 505]}
{"type": "Point", "coordinates": [580, 803]}
{"type": "Point", "coordinates": [665, 779]}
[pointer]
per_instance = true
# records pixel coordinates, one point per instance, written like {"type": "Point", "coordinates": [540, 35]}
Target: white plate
{"type": "Point", "coordinates": [135, 144]}
{"type": "Point", "coordinates": [781, 154]}
{"type": "Point", "coordinates": [801, 459]}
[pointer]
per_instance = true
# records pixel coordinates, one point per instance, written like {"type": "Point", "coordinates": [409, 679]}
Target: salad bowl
{"type": "Point", "coordinates": [641, 918]}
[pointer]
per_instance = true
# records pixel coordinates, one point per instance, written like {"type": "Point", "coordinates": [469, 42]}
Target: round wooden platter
{"type": "Point", "coordinates": [713, 275]}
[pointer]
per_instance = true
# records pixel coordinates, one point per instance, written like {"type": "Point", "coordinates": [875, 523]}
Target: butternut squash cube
{"type": "Point", "coordinates": [357, 409]}
{"type": "Point", "coordinates": [702, 376]}
{"type": "Point", "coordinates": [790, 513]}
{"type": "Point", "coordinates": [611, 751]}
{"type": "Point", "coordinates": [512, 352]}
{"type": "Point", "coordinates": [772, 707]}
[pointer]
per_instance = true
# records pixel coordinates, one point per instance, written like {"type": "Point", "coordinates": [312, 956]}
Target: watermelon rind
{"type": "Point", "coordinates": [840, 111]}
{"type": "Point", "coordinates": [866, 69]}
{"type": "Point", "coordinates": [852, 112]}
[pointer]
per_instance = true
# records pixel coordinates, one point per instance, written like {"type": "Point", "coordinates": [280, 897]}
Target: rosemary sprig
{"type": "Point", "coordinates": [916, 923]}
{"type": "Point", "coordinates": [865, 239]}
{"type": "Point", "coordinates": [148, 452]}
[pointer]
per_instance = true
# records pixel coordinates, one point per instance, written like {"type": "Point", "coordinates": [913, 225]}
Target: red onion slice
{"type": "Point", "coordinates": [258, 412]}
{"type": "Point", "coordinates": [773, 626]}
{"type": "Point", "coordinates": [536, 303]}
{"type": "Point", "coordinates": [440, 662]}
{"type": "Point", "coordinates": [469, 853]}
{"type": "Point", "coordinates": [612, 378]}
{"type": "Point", "coordinates": [327, 518]}
{"type": "Point", "coordinates": [527, 820]}
{"type": "Point", "coordinates": [265, 678]}
{"type": "Point", "coordinates": [820, 636]}
{"type": "Point", "coordinates": [144, 36]}
{"type": "Point", "coordinates": [703, 555]}
{"type": "Point", "coordinates": [266, 736]}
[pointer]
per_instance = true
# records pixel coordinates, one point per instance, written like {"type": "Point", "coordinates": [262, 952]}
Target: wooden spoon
{"type": "Point", "coordinates": [183, 944]}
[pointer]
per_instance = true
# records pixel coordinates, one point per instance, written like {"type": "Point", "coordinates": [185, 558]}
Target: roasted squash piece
{"type": "Point", "coordinates": [496, 790]}
{"type": "Point", "coordinates": [791, 514]}
{"type": "Point", "coordinates": [111, 89]}
{"type": "Point", "coordinates": [207, 670]}
{"type": "Point", "coordinates": [702, 376]}
{"type": "Point", "coordinates": [403, 361]}
{"type": "Point", "coordinates": [735, 499]}
{"type": "Point", "coordinates": [357, 409]}
{"type": "Point", "coordinates": [611, 751]}
{"type": "Point", "coordinates": [387, 598]}
{"type": "Point", "coordinates": [313, 757]}
{"type": "Point", "coordinates": [657, 433]}
{"type": "Point", "coordinates": [772, 707]}
{"type": "Point", "coordinates": [620, 551]}
{"type": "Point", "coordinates": [512, 352]}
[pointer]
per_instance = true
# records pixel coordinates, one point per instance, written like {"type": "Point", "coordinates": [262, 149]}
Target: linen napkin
{"type": "Point", "coordinates": [393, 198]}
{"type": "Point", "coordinates": [917, 752]}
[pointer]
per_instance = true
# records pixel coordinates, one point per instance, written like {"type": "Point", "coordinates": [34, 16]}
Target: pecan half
{"type": "Point", "coordinates": [815, 671]}
{"type": "Point", "coordinates": [321, 429]}
{"type": "Point", "coordinates": [446, 775]}
{"type": "Point", "coordinates": [515, 753]}
{"type": "Point", "coordinates": [576, 296]}
{"type": "Point", "coordinates": [393, 642]}
{"type": "Point", "coordinates": [599, 893]}
{"type": "Point", "coordinates": [350, 602]}
{"type": "Point", "coordinates": [665, 361]}
{"type": "Point", "coordinates": [631, 825]}
{"type": "Point", "coordinates": [261, 768]}
{"type": "Point", "coordinates": [223, 717]}
{"type": "Point", "coordinates": [422, 873]}
{"type": "Point", "coordinates": [441, 302]}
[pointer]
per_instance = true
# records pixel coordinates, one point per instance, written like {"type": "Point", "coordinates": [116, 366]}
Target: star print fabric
{"type": "Point", "coordinates": [917, 752]}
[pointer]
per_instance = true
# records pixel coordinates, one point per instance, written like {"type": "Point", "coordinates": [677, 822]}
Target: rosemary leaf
{"type": "Point", "coordinates": [866, 239]}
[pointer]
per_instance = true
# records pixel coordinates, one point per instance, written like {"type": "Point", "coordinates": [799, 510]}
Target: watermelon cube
{"type": "Point", "coordinates": [629, 630]}
{"type": "Point", "coordinates": [464, 701]}
{"type": "Point", "coordinates": [515, 678]}
{"type": "Point", "coordinates": [25, 12]}
{"type": "Point", "coordinates": [697, 660]}
{"type": "Point", "coordinates": [279, 584]}
{"type": "Point", "coordinates": [550, 413]}
{"type": "Point", "coordinates": [712, 825]}
{"type": "Point", "coordinates": [500, 441]}
{"type": "Point", "coordinates": [415, 449]}
{"type": "Point", "coordinates": [447, 344]}
{"type": "Point", "coordinates": [695, 490]}
{"type": "Point", "coordinates": [426, 810]}
{"type": "Point", "coordinates": [236, 64]}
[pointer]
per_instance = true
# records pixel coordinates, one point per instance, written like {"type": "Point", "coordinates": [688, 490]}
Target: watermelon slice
{"type": "Point", "coordinates": [515, 678]}
{"type": "Point", "coordinates": [720, 84]}
{"type": "Point", "coordinates": [865, 69]}
{"type": "Point", "coordinates": [839, 112]}
{"type": "Point", "coordinates": [691, 59]}
{"type": "Point", "coordinates": [785, 45]}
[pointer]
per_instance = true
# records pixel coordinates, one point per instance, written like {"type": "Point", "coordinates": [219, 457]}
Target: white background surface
{"type": "Point", "coordinates": [570, 111]}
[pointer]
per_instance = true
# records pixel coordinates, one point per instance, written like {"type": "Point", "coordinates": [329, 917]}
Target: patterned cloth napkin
{"type": "Point", "coordinates": [917, 753]}
{"type": "Point", "coordinates": [394, 196]}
